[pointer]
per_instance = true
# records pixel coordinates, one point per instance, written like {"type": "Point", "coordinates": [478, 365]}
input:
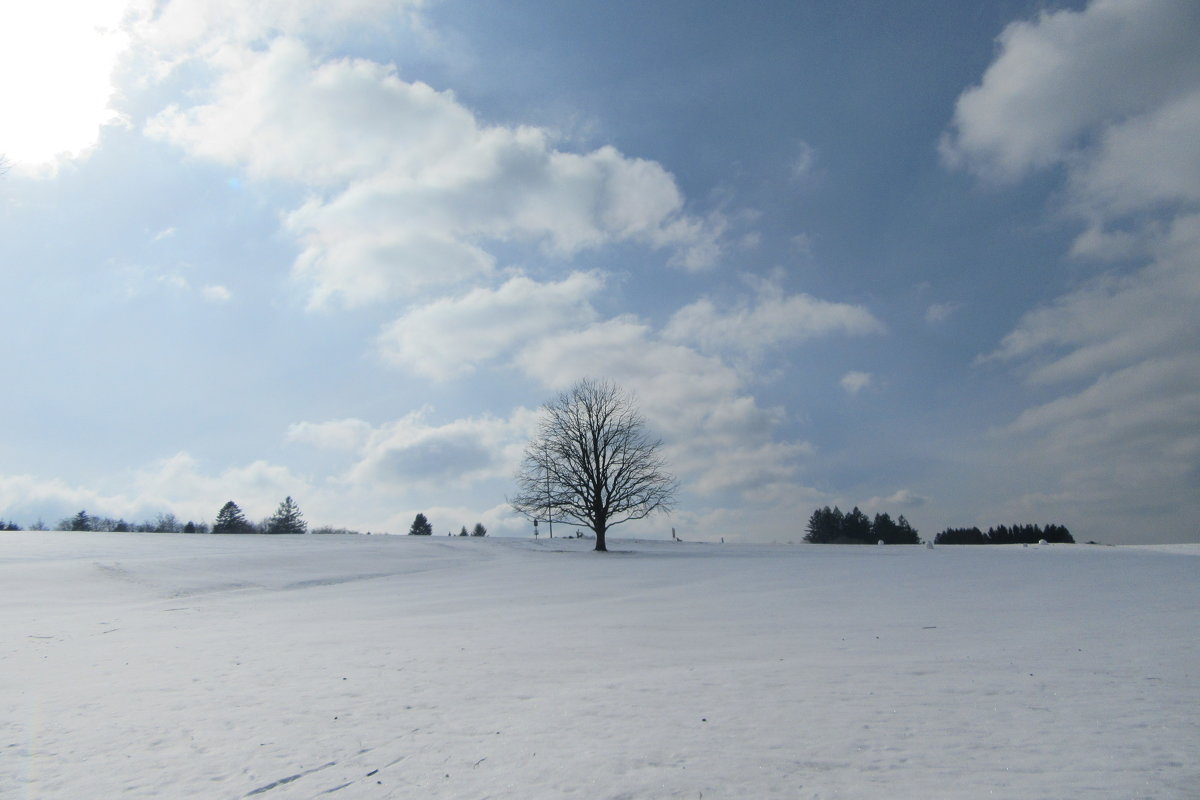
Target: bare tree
{"type": "Point", "coordinates": [593, 462]}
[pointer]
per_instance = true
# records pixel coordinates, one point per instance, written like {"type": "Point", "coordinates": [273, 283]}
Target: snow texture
{"type": "Point", "coordinates": [158, 665]}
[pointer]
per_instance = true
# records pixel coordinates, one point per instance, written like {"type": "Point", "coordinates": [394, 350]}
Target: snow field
{"type": "Point", "coordinates": [155, 665]}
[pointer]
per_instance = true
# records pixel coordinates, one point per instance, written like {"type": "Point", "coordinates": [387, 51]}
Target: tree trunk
{"type": "Point", "coordinates": [600, 540]}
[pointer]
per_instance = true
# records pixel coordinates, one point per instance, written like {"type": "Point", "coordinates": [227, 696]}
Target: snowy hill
{"type": "Point", "coordinates": [156, 665]}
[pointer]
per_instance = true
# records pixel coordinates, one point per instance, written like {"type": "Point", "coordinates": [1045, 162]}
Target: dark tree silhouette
{"type": "Point", "coordinates": [1006, 534]}
{"type": "Point", "coordinates": [908, 534]}
{"type": "Point", "coordinates": [479, 530]}
{"type": "Point", "coordinates": [825, 526]}
{"type": "Point", "coordinates": [287, 519]}
{"type": "Point", "coordinates": [79, 522]}
{"type": "Point", "coordinates": [420, 526]}
{"type": "Point", "coordinates": [230, 519]}
{"type": "Point", "coordinates": [831, 526]}
{"type": "Point", "coordinates": [856, 527]}
{"type": "Point", "coordinates": [592, 462]}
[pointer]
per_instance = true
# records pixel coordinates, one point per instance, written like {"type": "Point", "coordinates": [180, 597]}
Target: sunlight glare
{"type": "Point", "coordinates": [56, 64]}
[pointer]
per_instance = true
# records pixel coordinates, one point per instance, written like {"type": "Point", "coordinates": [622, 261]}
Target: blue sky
{"type": "Point", "coordinates": [935, 259]}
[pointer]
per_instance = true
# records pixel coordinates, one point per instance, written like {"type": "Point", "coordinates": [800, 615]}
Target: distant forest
{"type": "Point", "coordinates": [832, 526]}
{"type": "Point", "coordinates": [230, 519]}
{"type": "Point", "coordinates": [1006, 534]}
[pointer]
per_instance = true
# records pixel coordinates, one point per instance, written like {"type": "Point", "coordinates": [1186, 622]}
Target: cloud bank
{"type": "Point", "coordinates": [1111, 96]}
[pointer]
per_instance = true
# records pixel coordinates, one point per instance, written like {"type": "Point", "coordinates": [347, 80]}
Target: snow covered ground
{"type": "Point", "coordinates": [156, 665]}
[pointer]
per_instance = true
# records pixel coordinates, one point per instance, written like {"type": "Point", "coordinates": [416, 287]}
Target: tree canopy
{"type": "Point", "coordinates": [230, 519]}
{"type": "Point", "coordinates": [287, 518]}
{"type": "Point", "coordinates": [1006, 534]}
{"type": "Point", "coordinates": [593, 462]}
{"type": "Point", "coordinates": [420, 526]}
{"type": "Point", "coordinates": [832, 526]}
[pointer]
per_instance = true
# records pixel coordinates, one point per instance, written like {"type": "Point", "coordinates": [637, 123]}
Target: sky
{"type": "Point", "coordinates": [938, 259]}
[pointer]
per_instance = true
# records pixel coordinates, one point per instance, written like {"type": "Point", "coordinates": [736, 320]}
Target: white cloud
{"type": "Point", "coordinates": [180, 30]}
{"type": "Point", "coordinates": [137, 280]}
{"type": "Point", "coordinates": [1115, 320]}
{"type": "Point", "coordinates": [803, 244]}
{"type": "Point", "coordinates": [56, 64]}
{"type": "Point", "coordinates": [30, 498]}
{"type": "Point", "coordinates": [341, 434]}
{"type": "Point", "coordinates": [178, 484]}
{"type": "Point", "coordinates": [715, 433]}
{"type": "Point", "coordinates": [1144, 162]}
{"type": "Point", "coordinates": [901, 498]}
{"type": "Point", "coordinates": [216, 293]}
{"type": "Point", "coordinates": [409, 451]}
{"type": "Point", "coordinates": [414, 188]}
{"type": "Point", "coordinates": [938, 313]}
{"type": "Point", "coordinates": [1112, 95]}
{"type": "Point", "coordinates": [175, 485]}
{"type": "Point", "coordinates": [854, 382]}
{"type": "Point", "coordinates": [804, 162]}
{"type": "Point", "coordinates": [450, 337]}
{"type": "Point", "coordinates": [1063, 76]}
{"type": "Point", "coordinates": [772, 319]}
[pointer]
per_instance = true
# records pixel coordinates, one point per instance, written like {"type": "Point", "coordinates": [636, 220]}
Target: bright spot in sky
{"type": "Point", "coordinates": [56, 64]}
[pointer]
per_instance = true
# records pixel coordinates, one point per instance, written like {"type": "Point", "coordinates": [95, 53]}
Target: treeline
{"type": "Point", "coordinates": [1006, 534]}
{"type": "Point", "coordinates": [230, 519]}
{"type": "Point", "coordinates": [287, 519]}
{"type": "Point", "coordinates": [421, 526]}
{"type": "Point", "coordinates": [832, 526]}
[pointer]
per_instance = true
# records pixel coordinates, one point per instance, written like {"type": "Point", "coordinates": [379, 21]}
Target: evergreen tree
{"type": "Point", "coordinates": [884, 529]}
{"type": "Point", "coordinates": [79, 522]}
{"type": "Point", "coordinates": [286, 519]}
{"type": "Point", "coordinates": [230, 519]}
{"type": "Point", "coordinates": [1058, 534]}
{"type": "Point", "coordinates": [814, 530]}
{"type": "Point", "coordinates": [856, 527]}
{"type": "Point", "coordinates": [905, 533]}
{"type": "Point", "coordinates": [479, 530]}
{"type": "Point", "coordinates": [463, 532]}
{"type": "Point", "coordinates": [420, 527]}
{"type": "Point", "coordinates": [834, 522]}
{"type": "Point", "coordinates": [825, 526]}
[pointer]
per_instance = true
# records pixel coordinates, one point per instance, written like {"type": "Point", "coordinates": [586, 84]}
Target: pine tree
{"type": "Point", "coordinates": [463, 532]}
{"type": "Point", "coordinates": [420, 527]}
{"type": "Point", "coordinates": [884, 529]}
{"type": "Point", "coordinates": [815, 528]}
{"type": "Point", "coordinates": [479, 530]}
{"type": "Point", "coordinates": [287, 519]}
{"type": "Point", "coordinates": [905, 533]}
{"type": "Point", "coordinates": [825, 526]}
{"type": "Point", "coordinates": [230, 519]}
{"type": "Point", "coordinates": [79, 522]}
{"type": "Point", "coordinates": [856, 527]}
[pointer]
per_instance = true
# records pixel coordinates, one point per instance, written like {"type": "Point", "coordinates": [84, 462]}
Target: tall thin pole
{"type": "Point", "coordinates": [549, 515]}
